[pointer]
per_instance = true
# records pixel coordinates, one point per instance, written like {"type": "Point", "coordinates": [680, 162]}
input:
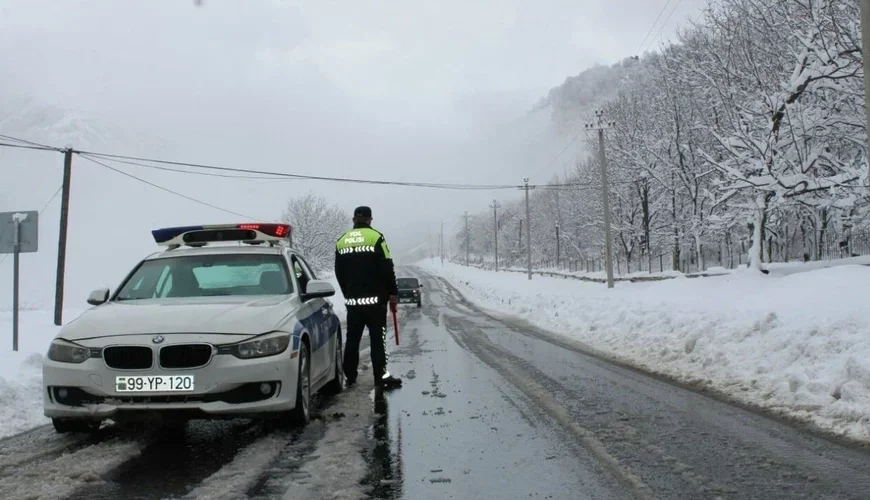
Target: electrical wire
{"type": "Point", "coordinates": [563, 150]}
{"type": "Point", "coordinates": [25, 146]}
{"type": "Point", "coordinates": [192, 172]}
{"type": "Point", "coordinates": [276, 176]}
{"type": "Point", "coordinates": [651, 28]}
{"type": "Point", "coordinates": [486, 187]}
{"type": "Point", "coordinates": [170, 191]}
{"type": "Point", "coordinates": [662, 29]}
{"type": "Point", "coordinates": [30, 143]}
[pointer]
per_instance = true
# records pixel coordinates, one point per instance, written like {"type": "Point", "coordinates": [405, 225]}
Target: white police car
{"type": "Point", "coordinates": [217, 325]}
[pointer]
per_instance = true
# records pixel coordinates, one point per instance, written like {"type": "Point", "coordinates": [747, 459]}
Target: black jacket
{"type": "Point", "coordinates": [364, 267]}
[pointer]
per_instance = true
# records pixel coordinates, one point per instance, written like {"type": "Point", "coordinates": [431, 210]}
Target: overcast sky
{"type": "Point", "coordinates": [397, 89]}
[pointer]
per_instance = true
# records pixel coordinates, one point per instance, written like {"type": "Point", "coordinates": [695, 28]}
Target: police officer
{"type": "Point", "coordinates": [365, 274]}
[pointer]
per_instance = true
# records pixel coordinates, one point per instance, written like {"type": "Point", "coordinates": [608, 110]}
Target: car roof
{"type": "Point", "coordinates": [220, 250]}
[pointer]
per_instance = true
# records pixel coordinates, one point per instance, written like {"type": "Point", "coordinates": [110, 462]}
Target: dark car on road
{"type": "Point", "coordinates": [410, 290]}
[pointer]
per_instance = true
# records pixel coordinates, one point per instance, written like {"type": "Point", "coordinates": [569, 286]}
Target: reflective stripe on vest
{"type": "Point", "coordinates": [365, 248]}
{"type": "Point", "coordinates": [364, 301]}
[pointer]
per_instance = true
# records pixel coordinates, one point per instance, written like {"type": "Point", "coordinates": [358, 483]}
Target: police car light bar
{"type": "Point", "coordinates": [200, 235]}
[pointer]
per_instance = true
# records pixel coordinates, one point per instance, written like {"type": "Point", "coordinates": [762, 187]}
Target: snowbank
{"type": "Point", "coordinates": [21, 372]}
{"type": "Point", "coordinates": [796, 344]}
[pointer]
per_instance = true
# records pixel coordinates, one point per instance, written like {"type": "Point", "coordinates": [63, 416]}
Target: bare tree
{"type": "Point", "coordinates": [317, 225]}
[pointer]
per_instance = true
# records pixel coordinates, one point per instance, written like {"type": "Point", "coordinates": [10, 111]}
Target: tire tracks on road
{"type": "Point", "coordinates": [511, 368]}
{"type": "Point", "coordinates": [508, 367]}
{"type": "Point", "coordinates": [64, 473]}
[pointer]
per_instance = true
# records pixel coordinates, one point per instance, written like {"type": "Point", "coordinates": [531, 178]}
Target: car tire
{"type": "Point", "coordinates": [419, 303]}
{"type": "Point", "coordinates": [63, 426]}
{"type": "Point", "coordinates": [336, 385]}
{"type": "Point", "coordinates": [300, 415]}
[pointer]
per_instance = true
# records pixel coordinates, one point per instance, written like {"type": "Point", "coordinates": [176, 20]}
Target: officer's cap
{"type": "Point", "coordinates": [362, 212]}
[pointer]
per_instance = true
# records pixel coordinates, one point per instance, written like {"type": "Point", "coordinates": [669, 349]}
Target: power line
{"type": "Point", "coordinates": [563, 150]}
{"type": "Point", "coordinates": [25, 141]}
{"type": "Point", "coordinates": [651, 28]}
{"type": "Point", "coordinates": [25, 146]}
{"type": "Point", "coordinates": [662, 29]}
{"type": "Point", "coordinates": [176, 193]}
{"type": "Point", "coordinates": [272, 175]}
{"type": "Point", "coordinates": [192, 172]}
{"type": "Point", "coordinates": [302, 176]}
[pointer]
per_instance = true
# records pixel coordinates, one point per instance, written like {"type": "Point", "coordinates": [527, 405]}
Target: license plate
{"type": "Point", "coordinates": [154, 383]}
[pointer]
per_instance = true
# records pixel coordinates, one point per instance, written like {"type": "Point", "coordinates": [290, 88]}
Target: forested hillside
{"type": "Point", "coordinates": [750, 128]}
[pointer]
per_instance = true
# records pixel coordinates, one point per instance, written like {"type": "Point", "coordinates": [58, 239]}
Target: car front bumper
{"type": "Point", "coordinates": [409, 297]}
{"type": "Point", "coordinates": [226, 386]}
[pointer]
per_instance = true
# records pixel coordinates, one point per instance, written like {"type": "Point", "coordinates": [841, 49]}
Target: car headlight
{"type": "Point", "coordinates": [67, 352]}
{"type": "Point", "coordinates": [268, 346]}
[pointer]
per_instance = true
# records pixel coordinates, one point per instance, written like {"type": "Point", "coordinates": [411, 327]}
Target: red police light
{"type": "Point", "coordinates": [275, 230]}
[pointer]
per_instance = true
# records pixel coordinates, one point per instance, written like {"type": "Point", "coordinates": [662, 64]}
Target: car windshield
{"type": "Point", "coordinates": [208, 275]}
{"type": "Point", "coordinates": [407, 283]}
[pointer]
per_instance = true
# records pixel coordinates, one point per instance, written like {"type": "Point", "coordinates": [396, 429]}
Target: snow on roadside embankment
{"type": "Point", "coordinates": [21, 371]}
{"type": "Point", "coordinates": [797, 345]}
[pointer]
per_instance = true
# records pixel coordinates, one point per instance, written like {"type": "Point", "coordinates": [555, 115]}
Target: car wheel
{"type": "Point", "coordinates": [301, 413]}
{"type": "Point", "coordinates": [336, 385]}
{"type": "Point", "coordinates": [62, 426]}
{"type": "Point", "coordinates": [419, 303]}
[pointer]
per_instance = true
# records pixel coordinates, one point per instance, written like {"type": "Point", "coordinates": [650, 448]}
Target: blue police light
{"type": "Point", "coordinates": [249, 231]}
{"type": "Point", "coordinates": [167, 233]}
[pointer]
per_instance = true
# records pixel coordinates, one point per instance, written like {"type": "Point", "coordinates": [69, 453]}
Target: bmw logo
{"type": "Point", "coordinates": [158, 339]}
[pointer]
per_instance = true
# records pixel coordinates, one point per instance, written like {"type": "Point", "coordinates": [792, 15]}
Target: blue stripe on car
{"type": "Point", "coordinates": [320, 327]}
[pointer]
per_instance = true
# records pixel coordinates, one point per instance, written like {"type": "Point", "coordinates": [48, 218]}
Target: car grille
{"type": "Point", "coordinates": [185, 355]}
{"type": "Point", "coordinates": [128, 357]}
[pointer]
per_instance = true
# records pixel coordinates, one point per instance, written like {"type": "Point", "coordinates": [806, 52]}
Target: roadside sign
{"type": "Point", "coordinates": [19, 232]}
{"type": "Point", "coordinates": [28, 227]}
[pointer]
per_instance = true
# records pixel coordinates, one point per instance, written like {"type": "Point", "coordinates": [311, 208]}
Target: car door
{"type": "Point", "coordinates": [313, 315]}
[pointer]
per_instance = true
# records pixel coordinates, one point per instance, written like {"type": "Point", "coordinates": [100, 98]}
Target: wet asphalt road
{"type": "Point", "coordinates": [490, 408]}
{"type": "Point", "coordinates": [495, 409]}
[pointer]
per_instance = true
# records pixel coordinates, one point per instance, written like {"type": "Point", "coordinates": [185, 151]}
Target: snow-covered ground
{"type": "Point", "coordinates": [776, 268]}
{"type": "Point", "coordinates": [21, 371]}
{"type": "Point", "coordinates": [795, 343]}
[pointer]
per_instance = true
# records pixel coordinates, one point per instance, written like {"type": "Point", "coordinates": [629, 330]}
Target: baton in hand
{"type": "Point", "coordinates": [396, 325]}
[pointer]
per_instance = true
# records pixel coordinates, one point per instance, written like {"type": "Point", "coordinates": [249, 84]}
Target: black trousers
{"type": "Point", "coordinates": [373, 317]}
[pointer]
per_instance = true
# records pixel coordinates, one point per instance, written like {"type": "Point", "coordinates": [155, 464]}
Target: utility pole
{"type": "Point", "coordinates": [557, 245]}
{"type": "Point", "coordinates": [865, 37]}
{"type": "Point", "coordinates": [61, 239]}
{"type": "Point", "coordinates": [600, 125]}
{"type": "Point", "coordinates": [495, 206]}
{"type": "Point", "coordinates": [467, 240]}
{"type": "Point", "coordinates": [526, 187]}
{"type": "Point", "coordinates": [521, 235]}
{"type": "Point", "coordinates": [441, 244]}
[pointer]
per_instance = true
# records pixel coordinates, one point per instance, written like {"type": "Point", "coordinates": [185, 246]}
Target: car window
{"type": "Point", "coordinates": [407, 283]}
{"type": "Point", "coordinates": [208, 275]}
{"type": "Point", "coordinates": [308, 269]}
{"type": "Point", "coordinates": [302, 272]}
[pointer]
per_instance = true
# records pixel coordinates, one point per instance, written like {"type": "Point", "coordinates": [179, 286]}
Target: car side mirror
{"type": "Point", "coordinates": [318, 289]}
{"type": "Point", "coordinates": [99, 296]}
{"type": "Point", "coordinates": [421, 285]}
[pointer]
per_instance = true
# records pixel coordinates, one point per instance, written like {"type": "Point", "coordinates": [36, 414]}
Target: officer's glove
{"type": "Point", "coordinates": [394, 303]}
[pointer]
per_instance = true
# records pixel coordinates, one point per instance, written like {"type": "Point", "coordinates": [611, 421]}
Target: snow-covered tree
{"type": "Point", "coordinates": [317, 225]}
{"type": "Point", "coordinates": [745, 141]}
